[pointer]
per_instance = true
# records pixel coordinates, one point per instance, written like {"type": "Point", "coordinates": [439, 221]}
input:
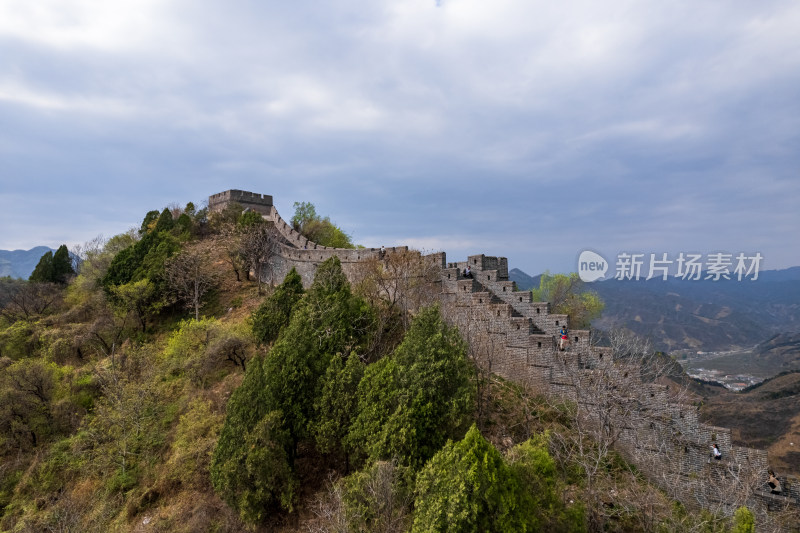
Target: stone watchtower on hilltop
{"type": "Point", "coordinates": [261, 203]}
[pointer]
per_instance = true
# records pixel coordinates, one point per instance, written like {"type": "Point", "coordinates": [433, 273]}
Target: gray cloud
{"type": "Point", "coordinates": [530, 130]}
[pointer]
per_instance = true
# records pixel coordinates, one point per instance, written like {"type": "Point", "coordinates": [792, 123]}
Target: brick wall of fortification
{"type": "Point", "coordinates": [517, 338]}
{"type": "Point", "coordinates": [261, 203]}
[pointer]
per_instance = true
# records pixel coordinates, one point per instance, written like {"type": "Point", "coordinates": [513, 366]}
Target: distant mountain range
{"type": "Point", "coordinates": [20, 263]}
{"type": "Point", "coordinates": [699, 315]}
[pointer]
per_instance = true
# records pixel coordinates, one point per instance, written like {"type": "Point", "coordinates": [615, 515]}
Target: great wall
{"type": "Point", "coordinates": [657, 431]}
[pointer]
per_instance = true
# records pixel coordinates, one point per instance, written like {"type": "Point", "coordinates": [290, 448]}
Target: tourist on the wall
{"type": "Point", "coordinates": [564, 341]}
{"type": "Point", "coordinates": [715, 453]}
{"type": "Point", "coordinates": [774, 484]}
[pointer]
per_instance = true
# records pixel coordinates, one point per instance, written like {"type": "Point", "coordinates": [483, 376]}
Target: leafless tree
{"type": "Point", "coordinates": [231, 239]}
{"type": "Point", "coordinates": [87, 250]}
{"type": "Point", "coordinates": [259, 244]}
{"type": "Point", "coordinates": [21, 300]}
{"type": "Point", "coordinates": [230, 348]}
{"type": "Point", "coordinates": [616, 395]}
{"type": "Point", "coordinates": [189, 275]}
{"type": "Point", "coordinates": [397, 284]}
{"type": "Point", "coordinates": [378, 491]}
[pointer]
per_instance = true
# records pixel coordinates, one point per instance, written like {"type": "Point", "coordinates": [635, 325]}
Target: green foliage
{"type": "Point", "coordinates": [376, 499]}
{"type": "Point", "coordinates": [251, 469]}
{"type": "Point", "coordinates": [329, 320]}
{"type": "Point", "coordinates": [337, 403]}
{"type": "Point", "coordinates": [130, 421]}
{"type": "Point", "coordinates": [317, 229]}
{"type": "Point", "coordinates": [304, 212]}
{"type": "Point", "coordinates": [193, 446]}
{"type": "Point", "coordinates": [567, 295]}
{"type": "Point", "coordinates": [538, 477]}
{"type": "Point", "coordinates": [200, 348]}
{"type": "Point", "coordinates": [273, 315]}
{"type": "Point", "coordinates": [139, 298]}
{"type": "Point", "coordinates": [184, 223]}
{"type": "Point", "coordinates": [20, 339]}
{"type": "Point", "coordinates": [412, 401]}
{"type": "Point", "coordinates": [743, 521]}
{"type": "Point", "coordinates": [44, 269]}
{"type": "Point", "coordinates": [273, 409]}
{"type": "Point", "coordinates": [467, 487]}
{"type": "Point", "coordinates": [145, 258]}
{"type": "Point", "coordinates": [53, 267]}
{"type": "Point", "coordinates": [249, 219]}
{"type": "Point", "coordinates": [62, 265]}
{"type": "Point", "coordinates": [28, 391]}
{"type": "Point", "coordinates": [149, 222]}
{"type": "Point", "coordinates": [165, 221]}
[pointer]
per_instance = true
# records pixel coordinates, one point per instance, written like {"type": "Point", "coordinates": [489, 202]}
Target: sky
{"type": "Point", "coordinates": [525, 129]}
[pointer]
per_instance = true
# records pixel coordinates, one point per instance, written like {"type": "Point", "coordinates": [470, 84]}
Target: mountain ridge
{"type": "Point", "coordinates": [20, 263]}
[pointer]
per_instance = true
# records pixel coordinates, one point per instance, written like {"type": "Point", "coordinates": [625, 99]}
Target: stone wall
{"type": "Point", "coordinates": [517, 338]}
{"type": "Point", "coordinates": [260, 203]}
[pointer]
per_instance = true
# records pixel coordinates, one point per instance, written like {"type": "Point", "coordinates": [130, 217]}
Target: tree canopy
{"type": "Point", "coordinates": [53, 267]}
{"type": "Point", "coordinates": [318, 229]}
{"type": "Point", "coordinates": [567, 295]}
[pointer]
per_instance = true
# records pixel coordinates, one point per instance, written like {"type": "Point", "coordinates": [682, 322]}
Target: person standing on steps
{"type": "Point", "coordinates": [564, 340]}
{"type": "Point", "coordinates": [774, 484]}
{"type": "Point", "coordinates": [715, 453]}
{"type": "Point", "coordinates": [467, 272]}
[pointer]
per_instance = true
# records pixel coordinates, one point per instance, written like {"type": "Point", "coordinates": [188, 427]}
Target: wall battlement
{"type": "Point", "coordinates": [666, 440]}
{"type": "Point", "coordinates": [260, 203]}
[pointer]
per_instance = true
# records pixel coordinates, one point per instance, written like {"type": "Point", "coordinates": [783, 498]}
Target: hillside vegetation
{"type": "Point", "coordinates": [162, 388]}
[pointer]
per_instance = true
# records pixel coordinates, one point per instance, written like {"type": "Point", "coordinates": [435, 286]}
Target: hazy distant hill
{"type": "Point", "coordinates": [20, 263]}
{"type": "Point", "coordinates": [782, 351]}
{"type": "Point", "coordinates": [699, 315]}
{"type": "Point", "coordinates": [524, 281]}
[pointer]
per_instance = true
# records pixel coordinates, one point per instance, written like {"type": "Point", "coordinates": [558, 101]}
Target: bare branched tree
{"type": "Point", "coordinates": [259, 244]}
{"type": "Point", "coordinates": [21, 300]}
{"type": "Point", "coordinates": [231, 239]}
{"type": "Point", "coordinates": [377, 490]}
{"type": "Point", "coordinates": [191, 278]}
{"type": "Point", "coordinates": [616, 395]}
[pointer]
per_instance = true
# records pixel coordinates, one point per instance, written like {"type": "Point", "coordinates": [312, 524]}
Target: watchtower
{"type": "Point", "coordinates": [261, 203]}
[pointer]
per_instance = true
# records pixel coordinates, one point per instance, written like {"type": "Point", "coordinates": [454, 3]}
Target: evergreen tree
{"type": "Point", "coordinates": [329, 320]}
{"type": "Point", "coordinates": [62, 265]}
{"type": "Point", "coordinates": [273, 409]}
{"type": "Point", "coordinates": [273, 315]}
{"type": "Point", "coordinates": [43, 272]}
{"type": "Point", "coordinates": [250, 468]}
{"type": "Point", "coordinates": [53, 268]}
{"type": "Point", "coordinates": [165, 221]}
{"type": "Point", "coordinates": [149, 220]}
{"type": "Point", "coordinates": [337, 404]}
{"type": "Point", "coordinates": [467, 487]}
{"type": "Point", "coordinates": [411, 402]}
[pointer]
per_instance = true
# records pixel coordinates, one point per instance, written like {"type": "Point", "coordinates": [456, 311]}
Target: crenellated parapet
{"type": "Point", "coordinates": [260, 203]}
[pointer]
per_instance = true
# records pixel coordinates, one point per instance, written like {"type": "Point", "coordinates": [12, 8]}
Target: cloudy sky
{"type": "Point", "coordinates": [525, 129]}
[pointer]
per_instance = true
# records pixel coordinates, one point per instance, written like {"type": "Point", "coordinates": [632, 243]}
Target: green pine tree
{"type": "Point", "coordinates": [411, 402]}
{"type": "Point", "coordinates": [467, 487]}
{"type": "Point", "coordinates": [273, 315]}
